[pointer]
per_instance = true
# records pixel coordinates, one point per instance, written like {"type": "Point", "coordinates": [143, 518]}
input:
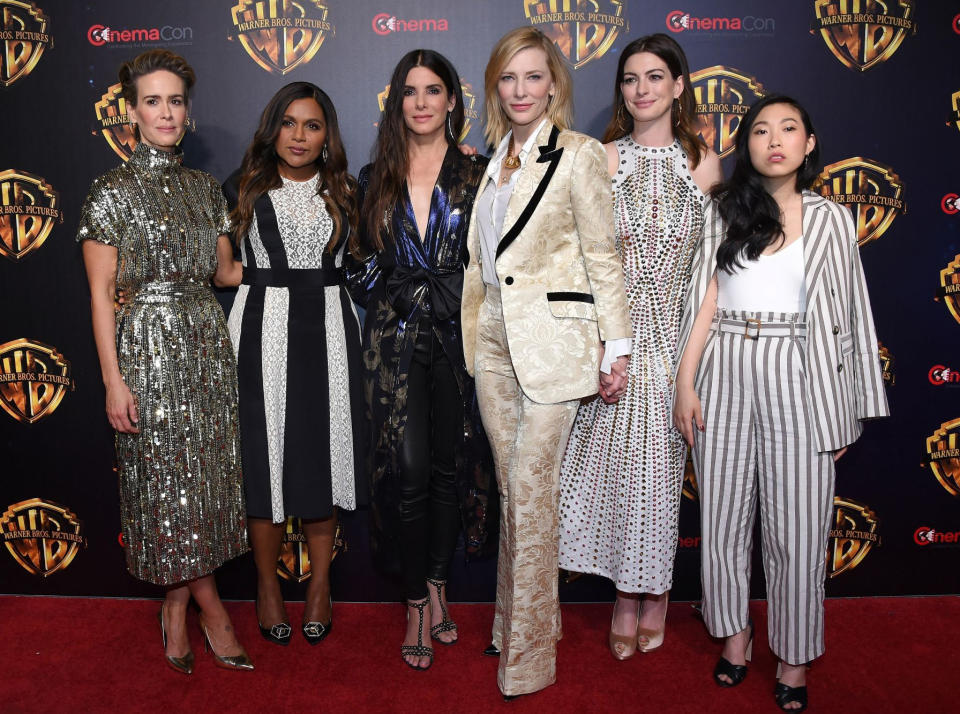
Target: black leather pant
{"type": "Point", "coordinates": [429, 510]}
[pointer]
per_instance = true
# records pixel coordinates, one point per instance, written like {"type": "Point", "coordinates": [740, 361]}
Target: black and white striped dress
{"type": "Point", "coordinates": [297, 339]}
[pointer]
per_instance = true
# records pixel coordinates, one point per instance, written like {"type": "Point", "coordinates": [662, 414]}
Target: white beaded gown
{"type": "Point", "coordinates": [622, 472]}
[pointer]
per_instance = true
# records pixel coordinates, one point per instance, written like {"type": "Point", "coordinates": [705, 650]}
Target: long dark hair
{"type": "Point", "coordinates": [682, 112]}
{"type": "Point", "coordinates": [390, 162]}
{"type": "Point", "coordinates": [259, 173]}
{"type": "Point", "coordinates": [751, 215]}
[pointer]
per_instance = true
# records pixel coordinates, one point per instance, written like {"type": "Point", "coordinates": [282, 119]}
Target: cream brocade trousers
{"type": "Point", "coordinates": [528, 441]}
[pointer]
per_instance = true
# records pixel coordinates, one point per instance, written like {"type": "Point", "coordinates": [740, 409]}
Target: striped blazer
{"type": "Point", "coordinates": [843, 361]}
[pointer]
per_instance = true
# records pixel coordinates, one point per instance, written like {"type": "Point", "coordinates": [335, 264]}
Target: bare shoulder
{"type": "Point", "coordinates": [613, 158]}
{"type": "Point", "coordinates": [708, 172]}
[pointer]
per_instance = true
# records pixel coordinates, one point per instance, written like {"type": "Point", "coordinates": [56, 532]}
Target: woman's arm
{"type": "Point", "coordinates": [229, 272]}
{"type": "Point", "coordinates": [708, 173]}
{"type": "Point", "coordinates": [686, 407]}
{"type": "Point", "coordinates": [101, 265]}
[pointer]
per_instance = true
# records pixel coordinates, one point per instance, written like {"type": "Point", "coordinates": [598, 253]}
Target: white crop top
{"type": "Point", "coordinates": [771, 283]}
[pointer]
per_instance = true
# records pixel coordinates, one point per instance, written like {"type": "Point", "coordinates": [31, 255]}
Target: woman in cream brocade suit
{"type": "Point", "coordinates": [543, 288]}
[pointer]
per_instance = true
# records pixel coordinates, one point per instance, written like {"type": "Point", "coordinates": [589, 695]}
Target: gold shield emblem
{"type": "Point", "coordinates": [873, 191]}
{"type": "Point", "coordinates": [33, 379]}
{"type": "Point", "coordinates": [950, 287]}
{"type": "Point", "coordinates": [114, 123]}
{"type": "Point", "coordinates": [28, 209]}
{"type": "Point", "coordinates": [294, 561]}
{"type": "Point", "coordinates": [583, 30]}
{"type": "Point", "coordinates": [886, 365]}
{"type": "Point", "coordinates": [281, 35]}
{"type": "Point", "coordinates": [943, 456]}
{"type": "Point", "coordinates": [42, 536]}
{"type": "Point", "coordinates": [864, 33]}
{"type": "Point", "coordinates": [954, 117]}
{"type": "Point", "coordinates": [690, 489]}
{"type": "Point", "coordinates": [853, 535]}
{"type": "Point", "coordinates": [25, 32]}
{"type": "Point", "coordinates": [723, 96]}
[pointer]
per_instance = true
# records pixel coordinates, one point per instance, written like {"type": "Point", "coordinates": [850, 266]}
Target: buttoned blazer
{"type": "Point", "coordinates": [844, 377]}
{"type": "Point", "coordinates": [561, 280]}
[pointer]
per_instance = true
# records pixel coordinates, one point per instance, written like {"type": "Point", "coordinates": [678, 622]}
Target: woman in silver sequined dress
{"type": "Point", "coordinates": [623, 469]}
{"type": "Point", "coordinates": [297, 339]}
{"type": "Point", "coordinates": [156, 231]}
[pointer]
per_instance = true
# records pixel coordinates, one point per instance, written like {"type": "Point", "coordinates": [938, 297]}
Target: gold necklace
{"type": "Point", "coordinates": [511, 162]}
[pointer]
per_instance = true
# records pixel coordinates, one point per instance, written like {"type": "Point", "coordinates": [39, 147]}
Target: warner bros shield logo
{"type": "Point", "coordinates": [34, 378]}
{"type": "Point", "coordinates": [42, 536]}
{"type": "Point", "coordinates": [583, 30]}
{"type": "Point", "coordinates": [281, 35]}
{"type": "Point", "coordinates": [852, 535]}
{"type": "Point", "coordinates": [864, 33]}
{"type": "Point", "coordinates": [114, 123]}
{"type": "Point", "coordinates": [723, 95]}
{"type": "Point", "coordinates": [294, 561]}
{"type": "Point", "coordinates": [29, 207]}
{"type": "Point", "coordinates": [942, 455]}
{"type": "Point", "coordinates": [24, 35]}
{"type": "Point", "coordinates": [949, 289]}
{"type": "Point", "coordinates": [872, 190]}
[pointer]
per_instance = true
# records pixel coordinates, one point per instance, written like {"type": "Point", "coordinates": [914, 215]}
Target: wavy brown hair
{"type": "Point", "coordinates": [390, 162]}
{"type": "Point", "coordinates": [147, 63]}
{"type": "Point", "coordinates": [682, 113]}
{"type": "Point", "coordinates": [259, 173]}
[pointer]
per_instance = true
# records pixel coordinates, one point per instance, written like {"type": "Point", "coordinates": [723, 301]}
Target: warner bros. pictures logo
{"type": "Point", "coordinates": [954, 117]}
{"type": "Point", "coordinates": [853, 535]}
{"type": "Point", "coordinates": [34, 378]}
{"type": "Point", "coordinates": [294, 561]}
{"type": "Point", "coordinates": [949, 289]}
{"type": "Point", "coordinates": [887, 363]}
{"type": "Point", "coordinates": [471, 114]}
{"type": "Point", "coordinates": [872, 190]}
{"type": "Point", "coordinates": [690, 488]}
{"type": "Point", "coordinates": [42, 536]}
{"type": "Point", "coordinates": [723, 95]}
{"type": "Point", "coordinates": [25, 32]}
{"type": "Point", "coordinates": [114, 123]}
{"type": "Point", "coordinates": [863, 33]}
{"type": "Point", "coordinates": [943, 456]}
{"type": "Point", "coordinates": [29, 206]}
{"type": "Point", "coordinates": [583, 30]}
{"type": "Point", "coordinates": [281, 35]}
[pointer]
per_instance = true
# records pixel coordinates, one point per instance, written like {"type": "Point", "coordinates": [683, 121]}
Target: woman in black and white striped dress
{"type": "Point", "coordinates": [297, 339]}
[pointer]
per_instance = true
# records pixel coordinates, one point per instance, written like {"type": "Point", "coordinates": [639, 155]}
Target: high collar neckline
{"type": "Point", "coordinates": [148, 157]}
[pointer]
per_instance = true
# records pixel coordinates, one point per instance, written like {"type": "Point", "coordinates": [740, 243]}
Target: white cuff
{"type": "Point", "coordinates": [613, 349]}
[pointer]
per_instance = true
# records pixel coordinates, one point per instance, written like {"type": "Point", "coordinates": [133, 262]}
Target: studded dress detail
{"type": "Point", "coordinates": [181, 493]}
{"type": "Point", "coordinates": [622, 472]}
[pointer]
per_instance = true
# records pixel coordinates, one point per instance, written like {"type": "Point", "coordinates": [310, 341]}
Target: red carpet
{"type": "Point", "coordinates": [93, 655]}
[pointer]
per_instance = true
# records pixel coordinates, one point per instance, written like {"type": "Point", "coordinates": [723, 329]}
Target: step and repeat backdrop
{"type": "Point", "coordinates": [881, 80]}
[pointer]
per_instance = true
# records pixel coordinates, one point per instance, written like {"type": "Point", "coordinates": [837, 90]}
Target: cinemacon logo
{"type": "Point", "coordinates": [924, 535]}
{"type": "Point", "coordinates": [100, 35]}
{"type": "Point", "coordinates": [384, 24]}
{"type": "Point", "coordinates": [940, 375]}
{"type": "Point", "coordinates": [680, 21]}
{"type": "Point", "coordinates": [949, 204]}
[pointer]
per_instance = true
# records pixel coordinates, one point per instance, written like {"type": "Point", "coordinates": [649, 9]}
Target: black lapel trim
{"type": "Point", "coordinates": [571, 297]}
{"type": "Point", "coordinates": [550, 153]}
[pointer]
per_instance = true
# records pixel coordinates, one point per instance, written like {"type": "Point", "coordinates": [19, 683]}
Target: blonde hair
{"type": "Point", "coordinates": [560, 108]}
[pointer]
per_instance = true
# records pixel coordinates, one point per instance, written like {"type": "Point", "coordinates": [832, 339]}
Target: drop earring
{"type": "Point", "coordinates": [450, 126]}
{"type": "Point", "coordinates": [679, 111]}
{"type": "Point", "coordinates": [323, 154]}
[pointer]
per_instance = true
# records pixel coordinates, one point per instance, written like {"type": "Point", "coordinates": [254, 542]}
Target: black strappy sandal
{"type": "Point", "coordinates": [445, 625]}
{"type": "Point", "coordinates": [419, 649]}
{"type": "Point", "coordinates": [784, 694]}
{"type": "Point", "coordinates": [735, 672]}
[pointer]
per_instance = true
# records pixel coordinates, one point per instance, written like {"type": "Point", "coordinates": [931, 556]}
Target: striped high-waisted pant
{"type": "Point", "coordinates": [758, 447]}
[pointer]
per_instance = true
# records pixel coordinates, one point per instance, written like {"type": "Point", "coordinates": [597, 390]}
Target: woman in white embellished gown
{"type": "Point", "coordinates": [623, 469]}
{"type": "Point", "coordinates": [297, 340]}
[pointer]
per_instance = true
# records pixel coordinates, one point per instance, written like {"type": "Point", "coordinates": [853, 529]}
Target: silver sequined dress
{"type": "Point", "coordinates": [181, 496]}
{"type": "Point", "coordinates": [622, 473]}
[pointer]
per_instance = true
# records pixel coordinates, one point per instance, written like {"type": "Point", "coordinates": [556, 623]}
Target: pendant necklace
{"type": "Point", "coordinates": [511, 162]}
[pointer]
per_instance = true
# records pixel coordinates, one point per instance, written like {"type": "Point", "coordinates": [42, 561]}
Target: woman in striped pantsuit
{"type": "Point", "coordinates": [779, 365]}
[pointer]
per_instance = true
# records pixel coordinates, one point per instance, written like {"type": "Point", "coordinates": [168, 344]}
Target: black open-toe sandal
{"type": "Point", "coordinates": [445, 625]}
{"type": "Point", "coordinates": [785, 695]}
{"type": "Point", "coordinates": [735, 672]}
{"type": "Point", "coordinates": [419, 649]}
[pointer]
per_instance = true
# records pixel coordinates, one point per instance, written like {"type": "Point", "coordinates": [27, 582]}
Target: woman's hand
{"type": "Point", "coordinates": [122, 408]}
{"type": "Point", "coordinates": [468, 150]}
{"type": "Point", "coordinates": [686, 412]}
{"type": "Point", "coordinates": [839, 452]}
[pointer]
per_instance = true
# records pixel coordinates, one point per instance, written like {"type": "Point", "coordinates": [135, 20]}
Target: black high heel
{"type": "Point", "coordinates": [279, 634]}
{"type": "Point", "coordinates": [315, 632]}
{"type": "Point", "coordinates": [445, 625]}
{"type": "Point", "coordinates": [491, 651]}
{"type": "Point", "coordinates": [419, 649]}
{"type": "Point", "coordinates": [784, 694]}
{"type": "Point", "coordinates": [735, 672]}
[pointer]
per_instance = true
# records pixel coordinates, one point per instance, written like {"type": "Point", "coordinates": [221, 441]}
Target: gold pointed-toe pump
{"type": "Point", "coordinates": [184, 664]}
{"type": "Point", "coordinates": [240, 661]}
